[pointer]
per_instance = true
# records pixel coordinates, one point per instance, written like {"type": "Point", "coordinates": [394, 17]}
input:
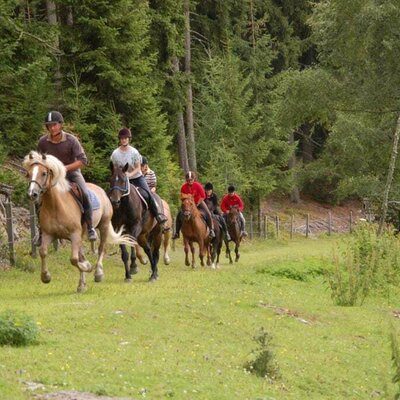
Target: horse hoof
{"type": "Point", "coordinates": [212, 266]}
{"type": "Point", "coordinates": [81, 289]}
{"type": "Point", "coordinates": [46, 277]}
{"type": "Point", "coordinates": [98, 278]}
{"type": "Point", "coordinates": [167, 260]}
{"type": "Point", "coordinates": [187, 264]}
{"type": "Point", "coordinates": [153, 278]}
{"type": "Point", "coordinates": [128, 280]}
{"type": "Point", "coordinates": [134, 271]}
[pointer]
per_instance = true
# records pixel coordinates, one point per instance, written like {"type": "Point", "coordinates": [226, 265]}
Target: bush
{"type": "Point", "coordinates": [368, 262]}
{"type": "Point", "coordinates": [17, 329]}
{"type": "Point", "coordinates": [263, 364]}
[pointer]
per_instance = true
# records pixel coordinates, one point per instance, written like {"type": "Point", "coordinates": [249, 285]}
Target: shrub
{"type": "Point", "coordinates": [17, 329]}
{"type": "Point", "coordinates": [263, 364]}
{"type": "Point", "coordinates": [367, 262]}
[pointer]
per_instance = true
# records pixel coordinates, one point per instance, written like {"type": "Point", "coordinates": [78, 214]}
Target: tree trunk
{"type": "Point", "coordinates": [182, 149]}
{"type": "Point", "coordinates": [307, 144]}
{"type": "Point", "coordinates": [389, 178]}
{"type": "Point", "coordinates": [295, 194]}
{"type": "Point", "coordinates": [52, 19]}
{"type": "Point", "coordinates": [191, 145]}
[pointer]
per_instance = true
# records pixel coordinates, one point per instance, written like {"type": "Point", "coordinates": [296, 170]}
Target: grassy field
{"type": "Point", "coordinates": [189, 335]}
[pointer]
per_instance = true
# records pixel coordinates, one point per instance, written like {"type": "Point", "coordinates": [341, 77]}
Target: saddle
{"type": "Point", "coordinates": [76, 192]}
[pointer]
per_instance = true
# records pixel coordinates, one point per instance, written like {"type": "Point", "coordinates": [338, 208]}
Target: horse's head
{"type": "Point", "coordinates": [44, 172]}
{"type": "Point", "coordinates": [119, 184]}
{"type": "Point", "coordinates": [233, 215]}
{"type": "Point", "coordinates": [188, 206]}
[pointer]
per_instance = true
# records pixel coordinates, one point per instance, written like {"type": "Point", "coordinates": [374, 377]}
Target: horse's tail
{"type": "Point", "coordinates": [119, 238]}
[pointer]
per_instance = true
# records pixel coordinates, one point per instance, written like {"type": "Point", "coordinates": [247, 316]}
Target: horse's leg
{"type": "Point", "coordinates": [125, 259]}
{"type": "Point", "coordinates": [43, 251]}
{"type": "Point", "coordinates": [99, 271]}
{"type": "Point", "coordinates": [192, 249]}
{"type": "Point", "coordinates": [167, 237]}
{"type": "Point", "coordinates": [228, 251]}
{"type": "Point", "coordinates": [134, 254]}
{"type": "Point", "coordinates": [77, 258]}
{"type": "Point", "coordinates": [186, 248]}
{"type": "Point", "coordinates": [147, 250]}
{"type": "Point", "coordinates": [237, 250]}
{"type": "Point", "coordinates": [140, 256]}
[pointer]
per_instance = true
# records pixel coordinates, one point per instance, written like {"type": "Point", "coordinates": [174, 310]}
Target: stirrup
{"type": "Point", "coordinates": [92, 235]}
{"type": "Point", "coordinates": [175, 236]}
{"type": "Point", "coordinates": [211, 234]}
{"type": "Point", "coordinates": [243, 234]}
{"type": "Point", "coordinates": [161, 219]}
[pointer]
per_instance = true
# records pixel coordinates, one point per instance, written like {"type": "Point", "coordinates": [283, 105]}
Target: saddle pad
{"type": "Point", "coordinates": [94, 200]}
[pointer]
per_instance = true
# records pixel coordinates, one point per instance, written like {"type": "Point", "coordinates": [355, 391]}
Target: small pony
{"type": "Point", "coordinates": [233, 224]}
{"type": "Point", "coordinates": [194, 229]}
{"type": "Point", "coordinates": [60, 215]}
{"type": "Point", "coordinates": [131, 213]}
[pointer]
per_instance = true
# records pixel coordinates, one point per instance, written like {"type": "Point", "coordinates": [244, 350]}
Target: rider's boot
{"type": "Point", "coordinates": [178, 225]}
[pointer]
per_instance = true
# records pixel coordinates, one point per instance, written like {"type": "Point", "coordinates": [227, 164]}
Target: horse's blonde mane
{"type": "Point", "coordinates": [56, 167]}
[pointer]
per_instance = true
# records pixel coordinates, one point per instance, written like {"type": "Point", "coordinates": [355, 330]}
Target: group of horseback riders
{"type": "Point", "coordinates": [67, 148]}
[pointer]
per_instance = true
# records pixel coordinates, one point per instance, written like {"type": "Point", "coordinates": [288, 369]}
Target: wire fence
{"type": "Point", "coordinates": [259, 226]}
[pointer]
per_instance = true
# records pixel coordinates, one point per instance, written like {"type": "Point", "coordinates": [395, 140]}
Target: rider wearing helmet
{"type": "Point", "coordinates": [126, 154]}
{"type": "Point", "coordinates": [211, 201]}
{"type": "Point", "coordinates": [231, 199]}
{"type": "Point", "coordinates": [191, 186]}
{"type": "Point", "coordinates": [67, 148]}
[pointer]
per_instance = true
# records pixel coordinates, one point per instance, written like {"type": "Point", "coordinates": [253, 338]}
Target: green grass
{"type": "Point", "coordinates": [189, 335]}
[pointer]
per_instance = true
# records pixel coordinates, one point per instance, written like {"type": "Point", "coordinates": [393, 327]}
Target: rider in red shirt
{"type": "Point", "coordinates": [191, 186]}
{"type": "Point", "coordinates": [231, 199]}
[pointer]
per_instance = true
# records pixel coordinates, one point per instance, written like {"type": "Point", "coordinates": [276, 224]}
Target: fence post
{"type": "Point", "coordinates": [277, 226]}
{"type": "Point", "coordinates": [351, 221]}
{"type": "Point", "coordinates": [329, 223]}
{"type": "Point", "coordinates": [307, 224]}
{"type": "Point", "coordinates": [10, 229]}
{"type": "Point", "coordinates": [291, 226]}
{"type": "Point", "coordinates": [32, 223]}
{"type": "Point", "coordinates": [265, 226]}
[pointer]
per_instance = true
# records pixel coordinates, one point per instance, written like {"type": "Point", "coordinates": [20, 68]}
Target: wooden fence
{"type": "Point", "coordinates": [261, 226]}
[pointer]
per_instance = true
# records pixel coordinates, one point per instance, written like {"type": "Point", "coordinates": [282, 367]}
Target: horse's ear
{"type": "Point", "coordinates": [126, 166]}
{"type": "Point", "coordinates": [43, 156]}
{"type": "Point", "coordinates": [31, 155]}
{"type": "Point", "coordinates": [111, 166]}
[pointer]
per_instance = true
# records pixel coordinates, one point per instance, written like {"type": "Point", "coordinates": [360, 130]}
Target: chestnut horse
{"type": "Point", "coordinates": [233, 224]}
{"type": "Point", "coordinates": [137, 220]}
{"type": "Point", "coordinates": [194, 229]}
{"type": "Point", "coordinates": [166, 237]}
{"type": "Point", "coordinates": [60, 215]}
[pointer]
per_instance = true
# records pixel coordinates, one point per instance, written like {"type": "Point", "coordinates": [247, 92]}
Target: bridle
{"type": "Point", "coordinates": [42, 186]}
{"type": "Point", "coordinates": [125, 191]}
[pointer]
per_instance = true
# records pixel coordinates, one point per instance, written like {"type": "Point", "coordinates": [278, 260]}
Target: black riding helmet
{"type": "Point", "coordinates": [53, 117]}
{"type": "Point", "coordinates": [231, 189]}
{"type": "Point", "coordinates": [208, 186]}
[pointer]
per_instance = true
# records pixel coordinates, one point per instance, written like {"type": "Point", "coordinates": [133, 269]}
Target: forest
{"type": "Point", "coordinates": [292, 97]}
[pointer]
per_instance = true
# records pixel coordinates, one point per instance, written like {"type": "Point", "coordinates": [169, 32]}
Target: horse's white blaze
{"type": "Point", "coordinates": [35, 172]}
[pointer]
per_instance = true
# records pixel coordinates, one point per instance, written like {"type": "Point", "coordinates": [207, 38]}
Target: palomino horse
{"type": "Point", "coordinates": [194, 229]}
{"type": "Point", "coordinates": [131, 213]}
{"type": "Point", "coordinates": [233, 223]}
{"type": "Point", "coordinates": [60, 215]}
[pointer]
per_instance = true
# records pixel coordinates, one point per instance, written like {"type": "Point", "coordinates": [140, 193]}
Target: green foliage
{"type": "Point", "coordinates": [18, 182]}
{"type": "Point", "coordinates": [17, 329]}
{"type": "Point", "coordinates": [264, 363]}
{"type": "Point", "coordinates": [368, 262]}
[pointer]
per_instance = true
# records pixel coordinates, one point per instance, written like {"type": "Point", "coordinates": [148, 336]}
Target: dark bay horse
{"type": "Point", "coordinates": [60, 215]}
{"type": "Point", "coordinates": [194, 230]}
{"type": "Point", "coordinates": [137, 220]}
{"type": "Point", "coordinates": [216, 242]}
{"type": "Point", "coordinates": [233, 223]}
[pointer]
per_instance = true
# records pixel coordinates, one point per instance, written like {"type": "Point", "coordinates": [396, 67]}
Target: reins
{"type": "Point", "coordinates": [125, 191]}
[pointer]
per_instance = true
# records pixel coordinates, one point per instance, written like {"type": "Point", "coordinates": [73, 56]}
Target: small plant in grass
{"type": "Point", "coordinates": [368, 262]}
{"type": "Point", "coordinates": [263, 363]}
{"type": "Point", "coordinates": [17, 329]}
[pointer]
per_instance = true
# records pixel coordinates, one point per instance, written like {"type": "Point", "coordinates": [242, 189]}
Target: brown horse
{"type": "Point", "coordinates": [233, 223]}
{"type": "Point", "coordinates": [216, 242]}
{"type": "Point", "coordinates": [60, 215]}
{"type": "Point", "coordinates": [166, 236]}
{"type": "Point", "coordinates": [194, 229]}
{"type": "Point", "coordinates": [131, 214]}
